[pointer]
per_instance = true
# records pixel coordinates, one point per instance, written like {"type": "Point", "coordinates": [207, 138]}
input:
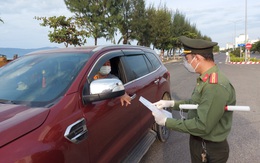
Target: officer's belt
{"type": "Point", "coordinates": [201, 139]}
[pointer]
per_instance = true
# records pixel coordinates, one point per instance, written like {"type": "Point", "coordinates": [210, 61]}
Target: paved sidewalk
{"type": "Point", "coordinates": [171, 60]}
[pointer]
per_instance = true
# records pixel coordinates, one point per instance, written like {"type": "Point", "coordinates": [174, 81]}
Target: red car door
{"type": "Point", "coordinates": [113, 130]}
{"type": "Point", "coordinates": [141, 83]}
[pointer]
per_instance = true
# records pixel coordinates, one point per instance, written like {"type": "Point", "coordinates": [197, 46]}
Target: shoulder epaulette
{"type": "Point", "coordinates": [213, 79]}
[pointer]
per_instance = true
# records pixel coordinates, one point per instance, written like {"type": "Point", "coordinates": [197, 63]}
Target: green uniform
{"type": "Point", "coordinates": [210, 121]}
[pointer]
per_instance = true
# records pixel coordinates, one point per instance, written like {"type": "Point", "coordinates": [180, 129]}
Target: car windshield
{"type": "Point", "coordinates": [39, 80]}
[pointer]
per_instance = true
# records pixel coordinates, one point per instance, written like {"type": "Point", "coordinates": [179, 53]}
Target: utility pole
{"type": "Point", "coordinates": [245, 29]}
{"type": "Point", "coordinates": [235, 33]}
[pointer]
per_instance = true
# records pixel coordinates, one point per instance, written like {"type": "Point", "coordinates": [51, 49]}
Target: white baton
{"type": "Point", "coordinates": [227, 108]}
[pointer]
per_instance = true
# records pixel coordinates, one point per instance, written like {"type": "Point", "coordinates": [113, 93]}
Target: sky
{"type": "Point", "coordinates": [221, 20]}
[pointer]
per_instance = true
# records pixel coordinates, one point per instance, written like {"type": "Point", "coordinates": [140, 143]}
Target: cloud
{"type": "Point", "coordinates": [32, 6]}
{"type": "Point", "coordinates": [20, 29]}
{"type": "Point", "coordinates": [215, 19]}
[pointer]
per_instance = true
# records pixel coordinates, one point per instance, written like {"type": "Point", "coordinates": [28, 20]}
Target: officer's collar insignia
{"type": "Point", "coordinates": [205, 78]}
{"type": "Point", "coordinates": [213, 79]}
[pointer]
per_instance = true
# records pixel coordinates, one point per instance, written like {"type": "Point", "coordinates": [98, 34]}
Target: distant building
{"type": "Point", "coordinates": [222, 49]}
{"type": "Point", "coordinates": [240, 40]}
{"type": "Point", "coordinates": [254, 41]}
{"type": "Point", "coordinates": [229, 45]}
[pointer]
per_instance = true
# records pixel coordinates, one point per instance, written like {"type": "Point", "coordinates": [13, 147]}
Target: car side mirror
{"type": "Point", "coordinates": [102, 89]}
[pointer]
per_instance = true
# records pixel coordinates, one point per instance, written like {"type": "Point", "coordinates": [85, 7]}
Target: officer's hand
{"type": "Point", "coordinates": [160, 118]}
{"type": "Point", "coordinates": [164, 104]}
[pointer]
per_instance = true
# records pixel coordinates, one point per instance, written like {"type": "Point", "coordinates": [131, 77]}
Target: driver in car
{"type": "Point", "coordinates": [104, 72]}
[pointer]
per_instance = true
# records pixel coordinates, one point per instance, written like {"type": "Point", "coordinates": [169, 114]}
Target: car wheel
{"type": "Point", "coordinates": [163, 132]}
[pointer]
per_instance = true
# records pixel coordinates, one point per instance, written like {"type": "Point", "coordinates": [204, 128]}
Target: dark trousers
{"type": "Point", "coordinates": [217, 152]}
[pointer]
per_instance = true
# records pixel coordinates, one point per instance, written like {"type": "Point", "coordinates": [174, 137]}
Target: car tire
{"type": "Point", "coordinates": [163, 132]}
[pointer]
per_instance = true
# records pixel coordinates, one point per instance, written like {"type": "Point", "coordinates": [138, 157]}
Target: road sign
{"type": "Point", "coordinates": [241, 45]}
{"type": "Point", "coordinates": [248, 46]}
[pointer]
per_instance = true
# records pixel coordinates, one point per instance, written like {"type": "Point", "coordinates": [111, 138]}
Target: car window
{"type": "Point", "coordinates": [37, 80]}
{"type": "Point", "coordinates": [105, 57]}
{"type": "Point", "coordinates": [149, 64]}
{"type": "Point", "coordinates": [154, 60]}
{"type": "Point", "coordinates": [136, 66]}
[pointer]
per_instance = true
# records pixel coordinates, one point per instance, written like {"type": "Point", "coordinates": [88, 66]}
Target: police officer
{"type": "Point", "coordinates": [209, 125]}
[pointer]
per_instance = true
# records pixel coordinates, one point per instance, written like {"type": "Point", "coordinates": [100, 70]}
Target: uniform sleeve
{"type": "Point", "coordinates": [209, 112]}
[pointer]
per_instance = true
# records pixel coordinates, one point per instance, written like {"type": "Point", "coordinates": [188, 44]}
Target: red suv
{"type": "Point", "coordinates": [51, 109]}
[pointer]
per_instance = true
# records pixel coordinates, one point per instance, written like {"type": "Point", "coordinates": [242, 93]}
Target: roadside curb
{"type": "Point", "coordinates": [244, 63]}
{"type": "Point", "coordinates": [170, 61]}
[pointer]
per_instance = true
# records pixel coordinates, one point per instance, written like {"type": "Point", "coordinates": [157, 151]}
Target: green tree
{"type": "Point", "coordinates": [236, 52]}
{"type": "Point", "coordinates": [100, 18]}
{"type": "Point", "coordinates": [215, 49]}
{"type": "Point", "coordinates": [139, 26]}
{"type": "Point", "coordinates": [152, 26]}
{"type": "Point", "coordinates": [256, 46]}
{"type": "Point", "coordinates": [161, 28]}
{"type": "Point", "coordinates": [64, 30]}
{"type": "Point", "coordinates": [126, 21]}
{"type": "Point", "coordinates": [179, 27]}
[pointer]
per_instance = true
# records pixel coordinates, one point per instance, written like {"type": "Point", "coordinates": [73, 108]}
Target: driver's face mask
{"type": "Point", "coordinates": [104, 70]}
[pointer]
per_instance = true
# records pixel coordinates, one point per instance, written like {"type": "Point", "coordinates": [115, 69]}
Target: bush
{"type": "Point", "coordinates": [238, 59]}
{"type": "Point", "coordinates": [254, 60]}
{"type": "Point", "coordinates": [236, 52]}
{"type": "Point", "coordinates": [232, 55]}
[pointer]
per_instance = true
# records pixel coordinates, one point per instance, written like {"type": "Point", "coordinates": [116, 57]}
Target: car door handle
{"type": "Point", "coordinates": [77, 131]}
{"type": "Point", "coordinates": [156, 81]}
{"type": "Point", "coordinates": [133, 96]}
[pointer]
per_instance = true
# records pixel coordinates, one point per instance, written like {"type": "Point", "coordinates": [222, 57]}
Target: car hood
{"type": "Point", "coordinates": [17, 120]}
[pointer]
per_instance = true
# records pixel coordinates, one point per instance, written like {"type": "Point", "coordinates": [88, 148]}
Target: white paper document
{"type": "Point", "coordinates": [153, 108]}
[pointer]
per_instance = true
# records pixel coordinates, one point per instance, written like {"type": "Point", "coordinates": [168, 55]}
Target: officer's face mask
{"type": "Point", "coordinates": [189, 67]}
{"type": "Point", "coordinates": [104, 70]}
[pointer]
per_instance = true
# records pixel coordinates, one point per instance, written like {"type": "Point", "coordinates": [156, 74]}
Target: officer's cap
{"type": "Point", "coordinates": [197, 46]}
